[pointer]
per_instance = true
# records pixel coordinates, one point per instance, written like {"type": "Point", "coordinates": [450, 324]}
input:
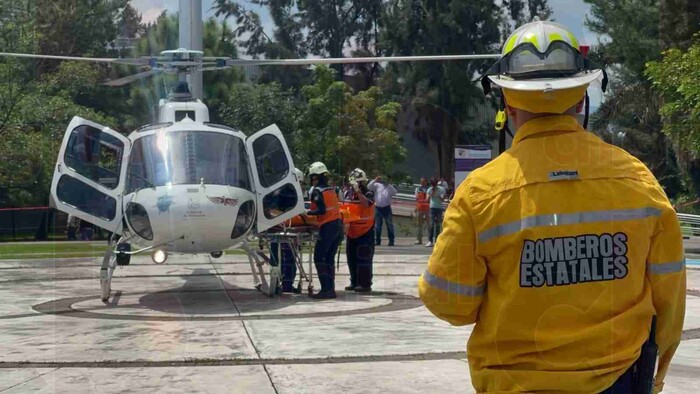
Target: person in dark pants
{"type": "Point", "coordinates": [436, 194]}
{"type": "Point", "coordinates": [288, 265]}
{"type": "Point", "coordinates": [360, 237]}
{"type": "Point", "coordinates": [383, 192]}
{"type": "Point", "coordinates": [279, 202]}
{"type": "Point", "coordinates": [324, 205]}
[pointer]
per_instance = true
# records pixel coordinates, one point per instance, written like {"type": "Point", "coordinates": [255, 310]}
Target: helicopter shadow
{"type": "Point", "coordinates": [206, 293]}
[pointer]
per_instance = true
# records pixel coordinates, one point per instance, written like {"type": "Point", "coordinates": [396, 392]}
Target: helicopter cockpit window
{"type": "Point", "coordinates": [86, 198]}
{"type": "Point", "coordinates": [280, 201]}
{"type": "Point", "coordinates": [271, 160]}
{"type": "Point", "coordinates": [188, 158]}
{"type": "Point", "coordinates": [95, 155]}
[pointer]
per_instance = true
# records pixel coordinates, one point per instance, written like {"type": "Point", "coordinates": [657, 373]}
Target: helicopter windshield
{"type": "Point", "coordinates": [188, 157]}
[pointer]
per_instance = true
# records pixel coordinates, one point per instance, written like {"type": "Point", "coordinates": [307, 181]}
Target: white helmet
{"type": "Point", "coordinates": [317, 168]}
{"type": "Point", "coordinates": [542, 56]}
{"type": "Point", "coordinates": [299, 174]}
{"type": "Point", "coordinates": [357, 175]}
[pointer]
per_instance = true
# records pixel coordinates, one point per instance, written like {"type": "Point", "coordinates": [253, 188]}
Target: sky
{"type": "Point", "coordinates": [570, 13]}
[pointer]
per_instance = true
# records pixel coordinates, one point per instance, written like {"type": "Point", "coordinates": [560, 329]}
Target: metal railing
{"type": "Point", "coordinates": [404, 204]}
{"type": "Point", "coordinates": [690, 224]}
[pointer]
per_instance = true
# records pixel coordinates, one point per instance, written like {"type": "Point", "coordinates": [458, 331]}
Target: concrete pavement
{"type": "Point", "coordinates": [196, 325]}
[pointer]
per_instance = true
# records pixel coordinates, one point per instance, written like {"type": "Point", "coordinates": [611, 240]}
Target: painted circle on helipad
{"type": "Point", "coordinates": [216, 304]}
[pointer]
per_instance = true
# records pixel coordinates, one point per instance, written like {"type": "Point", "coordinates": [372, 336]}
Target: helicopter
{"type": "Point", "coordinates": [182, 184]}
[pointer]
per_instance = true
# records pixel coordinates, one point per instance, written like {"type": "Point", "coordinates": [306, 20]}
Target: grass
{"type": "Point", "coordinates": [52, 250]}
{"type": "Point", "coordinates": [65, 249]}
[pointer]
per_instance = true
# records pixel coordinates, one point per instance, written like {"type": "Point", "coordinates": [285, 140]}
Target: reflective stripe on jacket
{"type": "Point", "coordinates": [330, 199]}
{"type": "Point", "coordinates": [560, 250]}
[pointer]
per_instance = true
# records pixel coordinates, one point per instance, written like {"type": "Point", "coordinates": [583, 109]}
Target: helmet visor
{"type": "Point", "coordinates": [559, 58]}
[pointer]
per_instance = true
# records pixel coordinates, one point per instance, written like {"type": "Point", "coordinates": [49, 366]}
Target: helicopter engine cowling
{"type": "Point", "coordinates": [192, 218]}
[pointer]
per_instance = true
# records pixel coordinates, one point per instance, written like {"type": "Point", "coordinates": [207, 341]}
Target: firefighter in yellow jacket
{"type": "Point", "coordinates": [561, 249]}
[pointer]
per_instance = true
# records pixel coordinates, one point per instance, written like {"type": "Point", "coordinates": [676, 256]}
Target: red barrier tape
{"type": "Point", "coordinates": [23, 209]}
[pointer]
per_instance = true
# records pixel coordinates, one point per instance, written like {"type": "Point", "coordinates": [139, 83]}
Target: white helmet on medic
{"type": "Point", "coordinates": [543, 69]}
{"type": "Point", "coordinates": [357, 175]}
{"type": "Point", "coordinates": [317, 168]}
{"type": "Point", "coordinates": [299, 174]}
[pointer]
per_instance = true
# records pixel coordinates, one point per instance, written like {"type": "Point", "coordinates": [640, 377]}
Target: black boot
{"type": "Point", "coordinates": [324, 295]}
{"type": "Point", "coordinates": [325, 276]}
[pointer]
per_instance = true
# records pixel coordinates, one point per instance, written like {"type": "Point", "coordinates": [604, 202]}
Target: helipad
{"type": "Point", "coordinates": [197, 325]}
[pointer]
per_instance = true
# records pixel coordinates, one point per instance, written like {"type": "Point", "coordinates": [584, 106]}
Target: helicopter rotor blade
{"type": "Point", "coordinates": [130, 78]}
{"type": "Point", "coordinates": [352, 60]}
{"type": "Point", "coordinates": [144, 61]}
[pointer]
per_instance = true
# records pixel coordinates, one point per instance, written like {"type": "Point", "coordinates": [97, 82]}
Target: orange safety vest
{"type": "Point", "coordinates": [331, 201]}
{"type": "Point", "coordinates": [421, 204]}
{"type": "Point", "coordinates": [361, 226]}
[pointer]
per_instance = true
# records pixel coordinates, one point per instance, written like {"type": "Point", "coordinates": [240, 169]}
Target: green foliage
{"type": "Point", "coordinates": [676, 77]}
{"type": "Point", "coordinates": [629, 116]}
{"type": "Point", "coordinates": [329, 123]}
{"type": "Point", "coordinates": [628, 43]}
{"type": "Point", "coordinates": [251, 108]}
{"type": "Point", "coordinates": [346, 130]}
{"type": "Point", "coordinates": [69, 27]}
{"type": "Point", "coordinates": [440, 97]}
{"type": "Point", "coordinates": [130, 25]}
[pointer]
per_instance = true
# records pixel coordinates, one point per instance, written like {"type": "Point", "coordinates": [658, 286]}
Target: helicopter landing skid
{"type": "Point", "coordinates": [257, 261]}
{"type": "Point", "coordinates": [109, 263]}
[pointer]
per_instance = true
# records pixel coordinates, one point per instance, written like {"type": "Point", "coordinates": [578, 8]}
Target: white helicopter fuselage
{"type": "Point", "coordinates": [190, 218]}
{"type": "Point", "coordinates": [183, 185]}
{"type": "Point", "coordinates": [195, 205]}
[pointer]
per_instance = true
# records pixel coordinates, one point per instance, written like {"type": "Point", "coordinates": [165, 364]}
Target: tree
{"type": "Point", "coordinates": [332, 26]}
{"type": "Point", "coordinates": [520, 13]}
{"type": "Point", "coordinates": [130, 25]}
{"type": "Point", "coordinates": [250, 108]}
{"type": "Point", "coordinates": [75, 28]}
{"type": "Point", "coordinates": [346, 130]}
{"type": "Point", "coordinates": [676, 78]}
{"type": "Point", "coordinates": [440, 96]}
{"type": "Point", "coordinates": [630, 115]}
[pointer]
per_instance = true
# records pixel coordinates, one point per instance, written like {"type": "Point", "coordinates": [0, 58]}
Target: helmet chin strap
{"type": "Point", "coordinates": [587, 106]}
{"type": "Point", "coordinates": [502, 125]}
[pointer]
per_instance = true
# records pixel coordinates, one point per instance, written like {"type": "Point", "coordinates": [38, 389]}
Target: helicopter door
{"type": "Point", "coordinates": [277, 190]}
{"type": "Point", "coordinates": [87, 181]}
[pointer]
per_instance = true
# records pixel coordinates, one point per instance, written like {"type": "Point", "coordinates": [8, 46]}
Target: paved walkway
{"type": "Point", "coordinates": [196, 325]}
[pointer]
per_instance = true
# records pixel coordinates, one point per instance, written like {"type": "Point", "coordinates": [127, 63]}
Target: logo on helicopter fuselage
{"type": "Point", "coordinates": [223, 200]}
{"type": "Point", "coordinates": [164, 202]}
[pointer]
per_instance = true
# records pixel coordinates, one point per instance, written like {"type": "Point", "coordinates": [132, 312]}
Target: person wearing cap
{"type": "Point", "coordinates": [562, 249]}
{"type": "Point", "coordinates": [360, 235]}
{"type": "Point", "coordinates": [324, 205]}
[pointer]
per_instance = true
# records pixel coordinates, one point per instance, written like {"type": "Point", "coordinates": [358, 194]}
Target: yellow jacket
{"type": "Point", "coordinates": [560, 250]}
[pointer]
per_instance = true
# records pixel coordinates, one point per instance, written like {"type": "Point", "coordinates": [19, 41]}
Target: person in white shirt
{"type": "Point", "coordinates": [383, 192]}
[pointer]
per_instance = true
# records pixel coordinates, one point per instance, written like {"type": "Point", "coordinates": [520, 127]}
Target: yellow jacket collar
{"type": "Point", "coordinates": [565, 123]}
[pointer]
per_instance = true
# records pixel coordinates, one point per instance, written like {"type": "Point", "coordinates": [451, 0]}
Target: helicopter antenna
{"type": "Point", "coordinates": [191, 38]}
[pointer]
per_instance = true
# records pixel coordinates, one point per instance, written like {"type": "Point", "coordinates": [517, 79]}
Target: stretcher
{"type": "Point", "coordinates": [300, 234]}
{"type": "Point", "coordinates": [301, 240]}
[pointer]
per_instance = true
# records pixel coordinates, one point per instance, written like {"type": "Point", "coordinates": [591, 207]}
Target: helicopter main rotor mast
{"type": "Point", "coordinates": [191, 38]}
